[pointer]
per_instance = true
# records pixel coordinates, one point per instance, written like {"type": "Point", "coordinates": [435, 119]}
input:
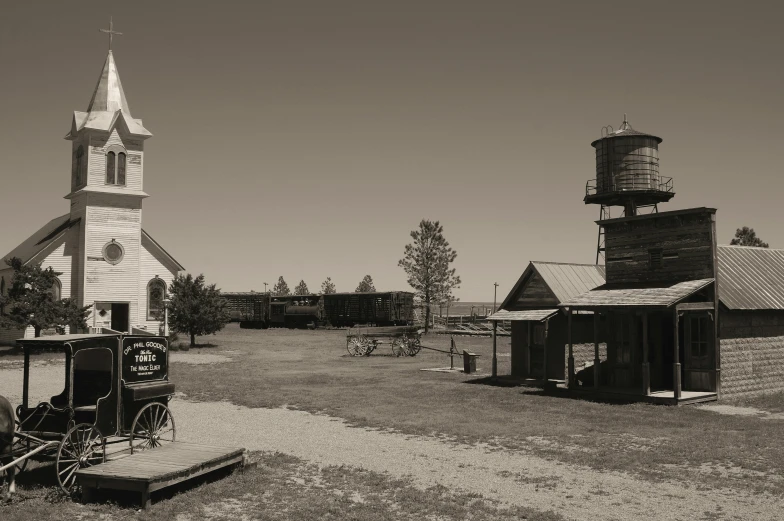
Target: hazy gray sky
{"type": "Point", "coordinates": [307, 139]}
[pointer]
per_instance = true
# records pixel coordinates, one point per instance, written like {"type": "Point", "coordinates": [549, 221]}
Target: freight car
{"type": "Point", "coordinates": [263, 310]}
{"type": "Point", "coordinates": [392, 308]}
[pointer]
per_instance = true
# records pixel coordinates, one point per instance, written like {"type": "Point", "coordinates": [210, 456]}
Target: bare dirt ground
{"type": "Point", "coordinates": [513, 477]}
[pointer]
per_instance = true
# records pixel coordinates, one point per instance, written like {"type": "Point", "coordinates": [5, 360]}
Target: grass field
{"type": "Point", "coordinates": [310, 370]}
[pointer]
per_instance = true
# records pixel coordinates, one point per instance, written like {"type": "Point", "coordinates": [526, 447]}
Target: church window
{"type": "Point", "coordinates": [156, 292]}
{"type": "Point", "coordinates": [121, 169]}
{"type": "Point", "coordinates": [116, 162]}
{"type": "Point", "coordinates": [110, 168]}
{"type": "Point", "coordinates": [55, 289]}
{"type": "Point", "coordinates": [77, 173]}
{"type": "Point", "coordinates": [113, 252]}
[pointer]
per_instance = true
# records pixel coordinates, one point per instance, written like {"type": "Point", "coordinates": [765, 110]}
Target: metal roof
{"type": "Point", "coordinates": [66, 338]}
{"type": "Point", "coordinates": [626, 130]}
{"type": "Point", "coordinates": [637, 297]}
{"type": "Point", "coordinates": [569, 280]}
{"type": "Point", "coordinates": [536, 315]}
{"type": "Point", "coordinates": [751, 278]}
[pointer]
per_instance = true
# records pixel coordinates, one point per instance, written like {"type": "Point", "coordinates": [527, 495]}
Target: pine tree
{"type": "Point", "coordinates": [30, 301]}
{"type": "Point", "coordinates": [195, 308]}
{"type": "Point", "coordinates": [281, 288]}
{"type": "Point", "coordinates": [301, 288]}
{"type": "Point", "coordinates": [365, 285]}
{"type": "Point", "coordinates": [328, 287]}
{"type": "Point", "coordinates": [426, 262]}
{"type": "Point", "coordinates": [747, 237]}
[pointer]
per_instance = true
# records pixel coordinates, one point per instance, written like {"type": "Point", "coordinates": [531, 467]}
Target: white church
{"type": "Point", "coordinates": [106, 258]}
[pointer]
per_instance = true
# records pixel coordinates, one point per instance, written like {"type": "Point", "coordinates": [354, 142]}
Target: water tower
{"type": "Point", "coordinates": [627, 175]}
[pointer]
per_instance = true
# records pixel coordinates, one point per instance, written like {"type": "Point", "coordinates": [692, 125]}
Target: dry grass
{"type": "Point", "coordinates": [311, 370]}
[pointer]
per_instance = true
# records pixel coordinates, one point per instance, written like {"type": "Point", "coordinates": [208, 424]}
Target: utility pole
{"type": "Point", "coordinates": [495, 291]}
{"type": "Point", "coordinates": [265, 287]}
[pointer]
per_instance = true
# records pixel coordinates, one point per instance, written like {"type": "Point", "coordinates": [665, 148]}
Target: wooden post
{"type": "Point", "coordinates": [596, 361]}
{"type": "Point", "coordinates": [544, 350]}
{"type": "Point", "coordinates": [570, 381]}
{"type": "Point", "coordinates": [676, 365]}
{"type": "Point", "coordinates": [646, 369]}
{"type": "Point", "coordinates": [495, 358]}
{"type": "Point", "coordinates": [26, 379]}
{"type": "Point", "coordinates": [528, 350]}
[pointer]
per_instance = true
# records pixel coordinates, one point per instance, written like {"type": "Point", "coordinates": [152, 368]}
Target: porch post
{"type": "Point", "coordinates": [544, 350]}
{"type": "Point", "coordinates": [26, 378]}
{"type": "Point", "coordinates": [495, 359]}
{"type": "Point", "coordinates": [676, 365]}
{"type": "Point", "coordinates": [646, 369]}
{"type": "Point", "coordinates": [570, 381]}
{"type": "Point", "coordinates": [528, 350]}
{"type": "Point", "coordinates": [595, 349]}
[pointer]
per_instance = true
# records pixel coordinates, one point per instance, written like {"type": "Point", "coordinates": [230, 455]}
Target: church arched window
{"type": "Point", "coordinates": [156, 292]}
{"type": "Point", "coordinates": [78, 167]}
{"type": "Point", "coordinates": [56, 289]}
{"type": "Point", "coordinates": [110, 166]}
{"type": "Point", "coordinates": [121, 168]}
{"type": "Point", "coordinates": [116, 160]}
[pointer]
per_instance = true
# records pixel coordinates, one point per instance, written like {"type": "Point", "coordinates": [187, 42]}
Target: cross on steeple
{"type": "Point", "coordinates": [110, 31]}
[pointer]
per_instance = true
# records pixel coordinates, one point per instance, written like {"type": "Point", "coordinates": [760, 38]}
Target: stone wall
{"type": "Point", "coordinates": [752, 352]}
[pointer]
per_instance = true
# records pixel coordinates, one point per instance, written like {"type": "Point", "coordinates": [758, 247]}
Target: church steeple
{"type": "Point", "coordinates": [108, 95]}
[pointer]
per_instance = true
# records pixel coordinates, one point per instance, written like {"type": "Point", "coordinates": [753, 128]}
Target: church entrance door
{"type": "Point", "coordinates": [120, 318]}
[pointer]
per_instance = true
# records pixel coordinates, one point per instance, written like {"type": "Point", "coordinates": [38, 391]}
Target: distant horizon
{"type": "Point", "coordinates": [308, 140]}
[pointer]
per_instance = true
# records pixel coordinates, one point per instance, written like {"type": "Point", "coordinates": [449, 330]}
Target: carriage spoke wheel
{"type": "Point", "coordinates": [370, 346]}
{"type": "Point", "coordinates": [355, 346]}
{"type": "Point", "coordinates": [152, 427]}
{"type": "Point", "coordinates": [413, 346]}
{"type": "Point", "coordinates": [82, 446]}
{"type": "Point", "coordinates": [399, 346]}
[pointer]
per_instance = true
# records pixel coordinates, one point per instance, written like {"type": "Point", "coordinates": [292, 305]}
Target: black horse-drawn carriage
{"type": "Point", "coordinates": [116, 392]}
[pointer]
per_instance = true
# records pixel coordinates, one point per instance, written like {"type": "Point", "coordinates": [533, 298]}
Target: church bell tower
{"type": "Point", "coordinates": [107, 159]}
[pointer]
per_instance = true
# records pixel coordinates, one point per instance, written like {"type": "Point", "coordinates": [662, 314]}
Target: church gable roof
{"type": "Point", "coordinates": [38, 241]}
{"type": "Point", "coordinates": [160, 250]}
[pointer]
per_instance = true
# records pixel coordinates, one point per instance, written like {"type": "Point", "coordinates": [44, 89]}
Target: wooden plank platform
{"type": "Point", "coordinates": [155, 469]}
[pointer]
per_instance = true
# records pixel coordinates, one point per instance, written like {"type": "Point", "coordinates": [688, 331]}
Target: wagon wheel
{"type": "Point", "coordinates": [370, 346]}
{"type": "Point", "coordinates": [399, 346]}
{"type": "Point", "coordinates": [152, 427]}
{"type": "Point", "coordinates": [413, 346]}
{"type": "Point", "coordinates": [355, 346]}
{"type": "Point", "coordinates": [82, 446]}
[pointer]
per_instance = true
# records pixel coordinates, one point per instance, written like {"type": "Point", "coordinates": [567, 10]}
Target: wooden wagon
{"type": "Point", "coordinates": [404, 340]}
{"type": "Point", "coordinates": [116, 392]}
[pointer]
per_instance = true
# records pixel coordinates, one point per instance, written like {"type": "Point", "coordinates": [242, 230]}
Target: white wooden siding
{"type": "Point", "coordinates": [105, 282]}
{"type": "Point", "coordinates": [152, 263]}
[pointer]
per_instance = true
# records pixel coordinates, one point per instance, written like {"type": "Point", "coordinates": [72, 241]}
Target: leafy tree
{"type": "Point", "coordinates": [281, 288]}
{"type": "Point", "coordinates": [747, 237]}
{"type": "Point", "coordinates": [328, 287]}
{"type": "Point", "coordinates": [366, 285]}
{"type": "Point", "coordinates": [301, 288]}
{"type": "Point", "coordinates": [426, 261]}
{"type": "Point", "coordinates": [195, 308]}
{"type": "Point", "coordinates": [30, 300]}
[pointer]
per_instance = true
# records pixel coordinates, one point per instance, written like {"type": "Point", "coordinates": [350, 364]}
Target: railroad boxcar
{"type": "Point", "coordinates": [390, 308]}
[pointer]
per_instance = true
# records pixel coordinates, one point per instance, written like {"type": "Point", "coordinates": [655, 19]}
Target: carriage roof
{"type": "Point", "coordinates": [61, 340]}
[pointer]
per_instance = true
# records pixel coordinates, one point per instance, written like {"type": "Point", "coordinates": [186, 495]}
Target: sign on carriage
{"type": "Point", "coordinates": [144, 358]}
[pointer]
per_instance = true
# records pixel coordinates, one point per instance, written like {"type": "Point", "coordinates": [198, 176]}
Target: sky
{"type": "Point", "coordinates": [307, 139]}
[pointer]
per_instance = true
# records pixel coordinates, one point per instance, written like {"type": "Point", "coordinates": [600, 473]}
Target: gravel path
{"type": "Point", "coordinates": [512, 477]}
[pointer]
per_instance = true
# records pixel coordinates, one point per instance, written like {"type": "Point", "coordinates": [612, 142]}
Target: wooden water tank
{"type": "Point", "coordinates": [627, 160]}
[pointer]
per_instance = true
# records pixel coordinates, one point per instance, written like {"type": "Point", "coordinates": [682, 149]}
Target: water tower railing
{"type": "Point", "coordinates": [602, 186]}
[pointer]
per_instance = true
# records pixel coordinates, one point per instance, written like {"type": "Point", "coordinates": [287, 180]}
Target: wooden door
{"type": "Point", "coordinates": [536, 349]}
{"type": "Point", "coordinates": [624, 335]}
{"type": "Point", "coordinates": [120, 317]}
{"type": "Point", "coordinates": [698, 351]}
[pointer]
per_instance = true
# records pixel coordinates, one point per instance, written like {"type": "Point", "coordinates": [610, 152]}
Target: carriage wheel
{"type": "Point", "coordinates": [152, 427]}
{"type": "Point", "coordinates": [82, 446]}
{"type": "Point", "coordinates": [399, 346]}
{"type": "Point", "coordinates": [355, 346]}
{"type": "Point", "coordinates": [370, 346]}
{"type": "Point", "coordinates": [413, 346]}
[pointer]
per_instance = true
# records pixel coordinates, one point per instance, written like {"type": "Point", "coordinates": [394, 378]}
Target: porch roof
{"type": "Point", "coordinates": [536, 315]}
{"type": "Point", "coordinates": [660, 297]}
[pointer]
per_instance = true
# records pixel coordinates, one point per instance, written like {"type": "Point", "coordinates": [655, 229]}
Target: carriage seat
{"type": "Point", "coordinates": [88, 387]}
